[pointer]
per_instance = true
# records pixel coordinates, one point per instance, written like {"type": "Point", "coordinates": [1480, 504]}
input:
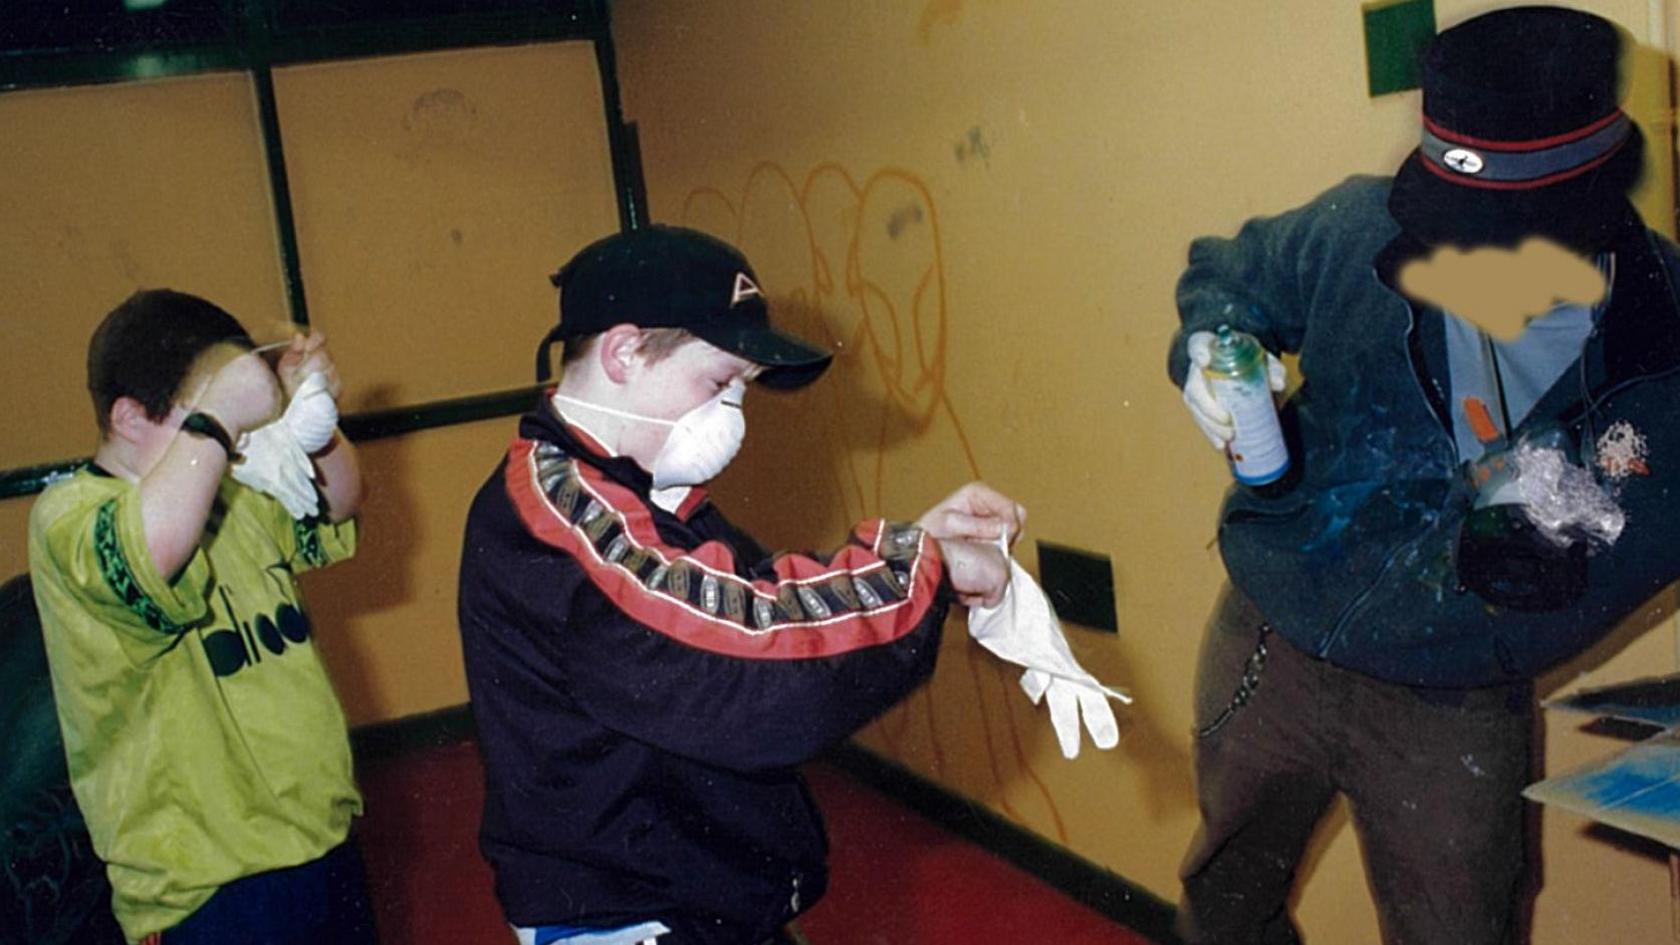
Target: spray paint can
{"type": "Point", "coordinates": [1236, 373]}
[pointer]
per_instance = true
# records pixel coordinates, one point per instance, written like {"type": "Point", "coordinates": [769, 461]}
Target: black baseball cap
{"type": "Point", "coordinates": [671, 277]}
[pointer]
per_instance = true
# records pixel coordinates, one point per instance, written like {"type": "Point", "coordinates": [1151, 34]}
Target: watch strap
{"type": "Point", "coordinates": [202, 424]}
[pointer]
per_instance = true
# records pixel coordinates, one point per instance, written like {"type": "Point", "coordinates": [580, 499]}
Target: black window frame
{"type": "Point", "coordinates": [257, 36]}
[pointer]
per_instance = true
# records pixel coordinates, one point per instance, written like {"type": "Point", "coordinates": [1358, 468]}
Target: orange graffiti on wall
{"type": "Point", "coordinates": [941, 12]}
{"type": "Point", "coordinates": [860, 266]}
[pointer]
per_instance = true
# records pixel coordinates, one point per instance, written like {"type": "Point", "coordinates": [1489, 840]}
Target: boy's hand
{"type": "Point", "coordinates": [242, 394]}
{"type": "Point", "coordinates": [976, 512]}
{"type": "Point", "coordinates": [978, 571]}
{"type": "Point", "coordinates": [307, 355]}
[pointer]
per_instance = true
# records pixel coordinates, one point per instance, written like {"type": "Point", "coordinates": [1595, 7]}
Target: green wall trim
{"type": "Point", "coordinates": [360, 428]}
{"type": "Point", "coordinates": [280, 187]}
{"type": "Point", "coordinates": [1099, 889]}
{"type": "Point", "coordinates": [378, 424]}
{"type": "Point", "coordinates": [29, 480]}
{"type": "Point", "coordinates": [51, 68]}
{"type": "Point", "coordinates": [434, 34]}
{"type": "Point", "coordinates": [258, 47]}
{"type": "Point", "coordinates": [35, 70]}
{"type": "Point", "coordinates": [623, 144]}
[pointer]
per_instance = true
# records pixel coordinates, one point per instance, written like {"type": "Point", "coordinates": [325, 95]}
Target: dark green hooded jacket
{"type": "Point", "coordinates": [1356, 561]}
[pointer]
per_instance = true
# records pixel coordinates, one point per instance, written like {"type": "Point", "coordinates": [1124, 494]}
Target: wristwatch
{"type": "Point", "coordinates": [202, 424]}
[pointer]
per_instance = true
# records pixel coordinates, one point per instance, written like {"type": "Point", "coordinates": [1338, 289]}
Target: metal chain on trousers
{"type": "Point", "coordinates": [1246, 687]}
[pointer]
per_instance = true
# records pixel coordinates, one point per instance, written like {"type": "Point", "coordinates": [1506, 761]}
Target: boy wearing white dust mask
{"type": "Point", "coordinates": [644, 676]}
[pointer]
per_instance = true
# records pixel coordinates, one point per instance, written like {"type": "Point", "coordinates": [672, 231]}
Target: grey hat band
{"type": "Point", "coordinates": [1479, 165]}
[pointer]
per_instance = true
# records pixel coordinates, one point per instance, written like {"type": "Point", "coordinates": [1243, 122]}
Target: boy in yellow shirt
{"type": "Point", "coordinates": [205, 745]}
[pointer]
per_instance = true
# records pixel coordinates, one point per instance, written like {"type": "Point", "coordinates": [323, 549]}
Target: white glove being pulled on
{"type": "Point", "coordinates": [312, 415]}
{"type": "Point", "coordinates": [274, 458]}
{"type": "Point", "coordinates": [271, 461]}
{"type": "Point", "coordinates": [1205, 409]}
{"type": "Point", "coordinates": [1023, 629]}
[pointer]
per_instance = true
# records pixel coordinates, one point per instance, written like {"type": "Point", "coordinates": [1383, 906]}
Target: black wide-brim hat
{"type": "Point", "coordinates": [672, 277]}
{"type": "Point", "coordinates": [1522, 135]}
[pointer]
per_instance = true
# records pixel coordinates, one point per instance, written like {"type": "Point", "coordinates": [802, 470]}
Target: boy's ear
{"type": "Point", "coordinates": [619, 348]}
{"type": "Point", "coordinates": [128, 419]}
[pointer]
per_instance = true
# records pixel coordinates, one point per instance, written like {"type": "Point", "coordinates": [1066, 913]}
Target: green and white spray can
{"type": "Point", "coordinates": [1236, 373]}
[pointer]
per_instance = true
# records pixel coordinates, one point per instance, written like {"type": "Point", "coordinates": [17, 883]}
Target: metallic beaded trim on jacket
{"type": "Point", "coordinates": [727, 596]}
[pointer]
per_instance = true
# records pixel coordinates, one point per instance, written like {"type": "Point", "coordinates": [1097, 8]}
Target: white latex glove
{"type": "Point", "coordinates": [1214, 419]}
{"type": "Point", "coordinates": [312, 416]}
{"type": "Point", "coordinates": [1068, 701]}
{"type": "Point", "coordinates": [1023, 629]}
{"type": "Point", "coordinates": [273, 462]}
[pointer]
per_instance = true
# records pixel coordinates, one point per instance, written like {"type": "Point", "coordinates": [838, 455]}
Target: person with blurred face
{"type": "Point", "coordinates": [1479, 491]}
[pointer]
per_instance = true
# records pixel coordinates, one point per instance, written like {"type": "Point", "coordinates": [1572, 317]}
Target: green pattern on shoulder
{"type": "Point", "coordinates": [113, 565]}
{"type": "Point", "coordinates": [309, 548]}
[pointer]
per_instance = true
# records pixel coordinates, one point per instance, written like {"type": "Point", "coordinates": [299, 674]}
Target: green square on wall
{"type": "Point", "coordinates": [1395, 33]}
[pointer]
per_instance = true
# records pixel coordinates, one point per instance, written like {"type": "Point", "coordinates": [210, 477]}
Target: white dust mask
{"type": "Point", "coordinates": [274, 458]}
{"type": "Point", "coordinates": [702, 441]}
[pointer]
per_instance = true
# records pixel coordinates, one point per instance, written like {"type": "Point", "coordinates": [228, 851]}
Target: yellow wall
{"type": "Point", "coordinates": [14, 527]}
{"type": "Point", "coordinates": [433, 195]}
{"type": "Point", "coordinates": [984, 205]}
{"type": "Point", "coordinates": [388, 615]}
{"type": "Point", "coordinates": [100, 194]}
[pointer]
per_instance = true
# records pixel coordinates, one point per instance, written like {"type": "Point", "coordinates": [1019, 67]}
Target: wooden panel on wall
{"type": "Point", "coordinates": [434, 195]}
{"type": "Point", "coordinates": [386, 619]}
{"type": "Point", "coordinates": [105, 190]}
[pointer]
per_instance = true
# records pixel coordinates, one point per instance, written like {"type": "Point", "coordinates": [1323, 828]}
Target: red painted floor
{"type": "Point", "coordinates": [897, 879]}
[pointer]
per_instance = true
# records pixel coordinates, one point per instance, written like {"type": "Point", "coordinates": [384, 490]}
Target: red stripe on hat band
{"type": "Point", "coordinates": [1535, 144]}
{"type": "Point", "coordinates": [1537, 182]}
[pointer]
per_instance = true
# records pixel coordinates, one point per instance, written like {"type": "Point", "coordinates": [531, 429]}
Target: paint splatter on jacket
{"type": "Point", "coordinates": [645, 682]}
{"type": "Point", "coordinates": [1355, 563]}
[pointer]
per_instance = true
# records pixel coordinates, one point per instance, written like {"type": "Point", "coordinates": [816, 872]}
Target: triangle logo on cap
{"type": "Point", "coordinates": [745, 288]}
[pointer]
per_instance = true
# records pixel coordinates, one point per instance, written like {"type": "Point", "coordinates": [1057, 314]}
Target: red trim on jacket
{"type": "Point", "coordinates": [678, 619]}
{"type": "Point", "coordinates": [691, 503]}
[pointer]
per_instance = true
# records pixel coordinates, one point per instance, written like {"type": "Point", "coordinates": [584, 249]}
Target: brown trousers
{"type": "Point", "coordinates": [1433, 779]}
